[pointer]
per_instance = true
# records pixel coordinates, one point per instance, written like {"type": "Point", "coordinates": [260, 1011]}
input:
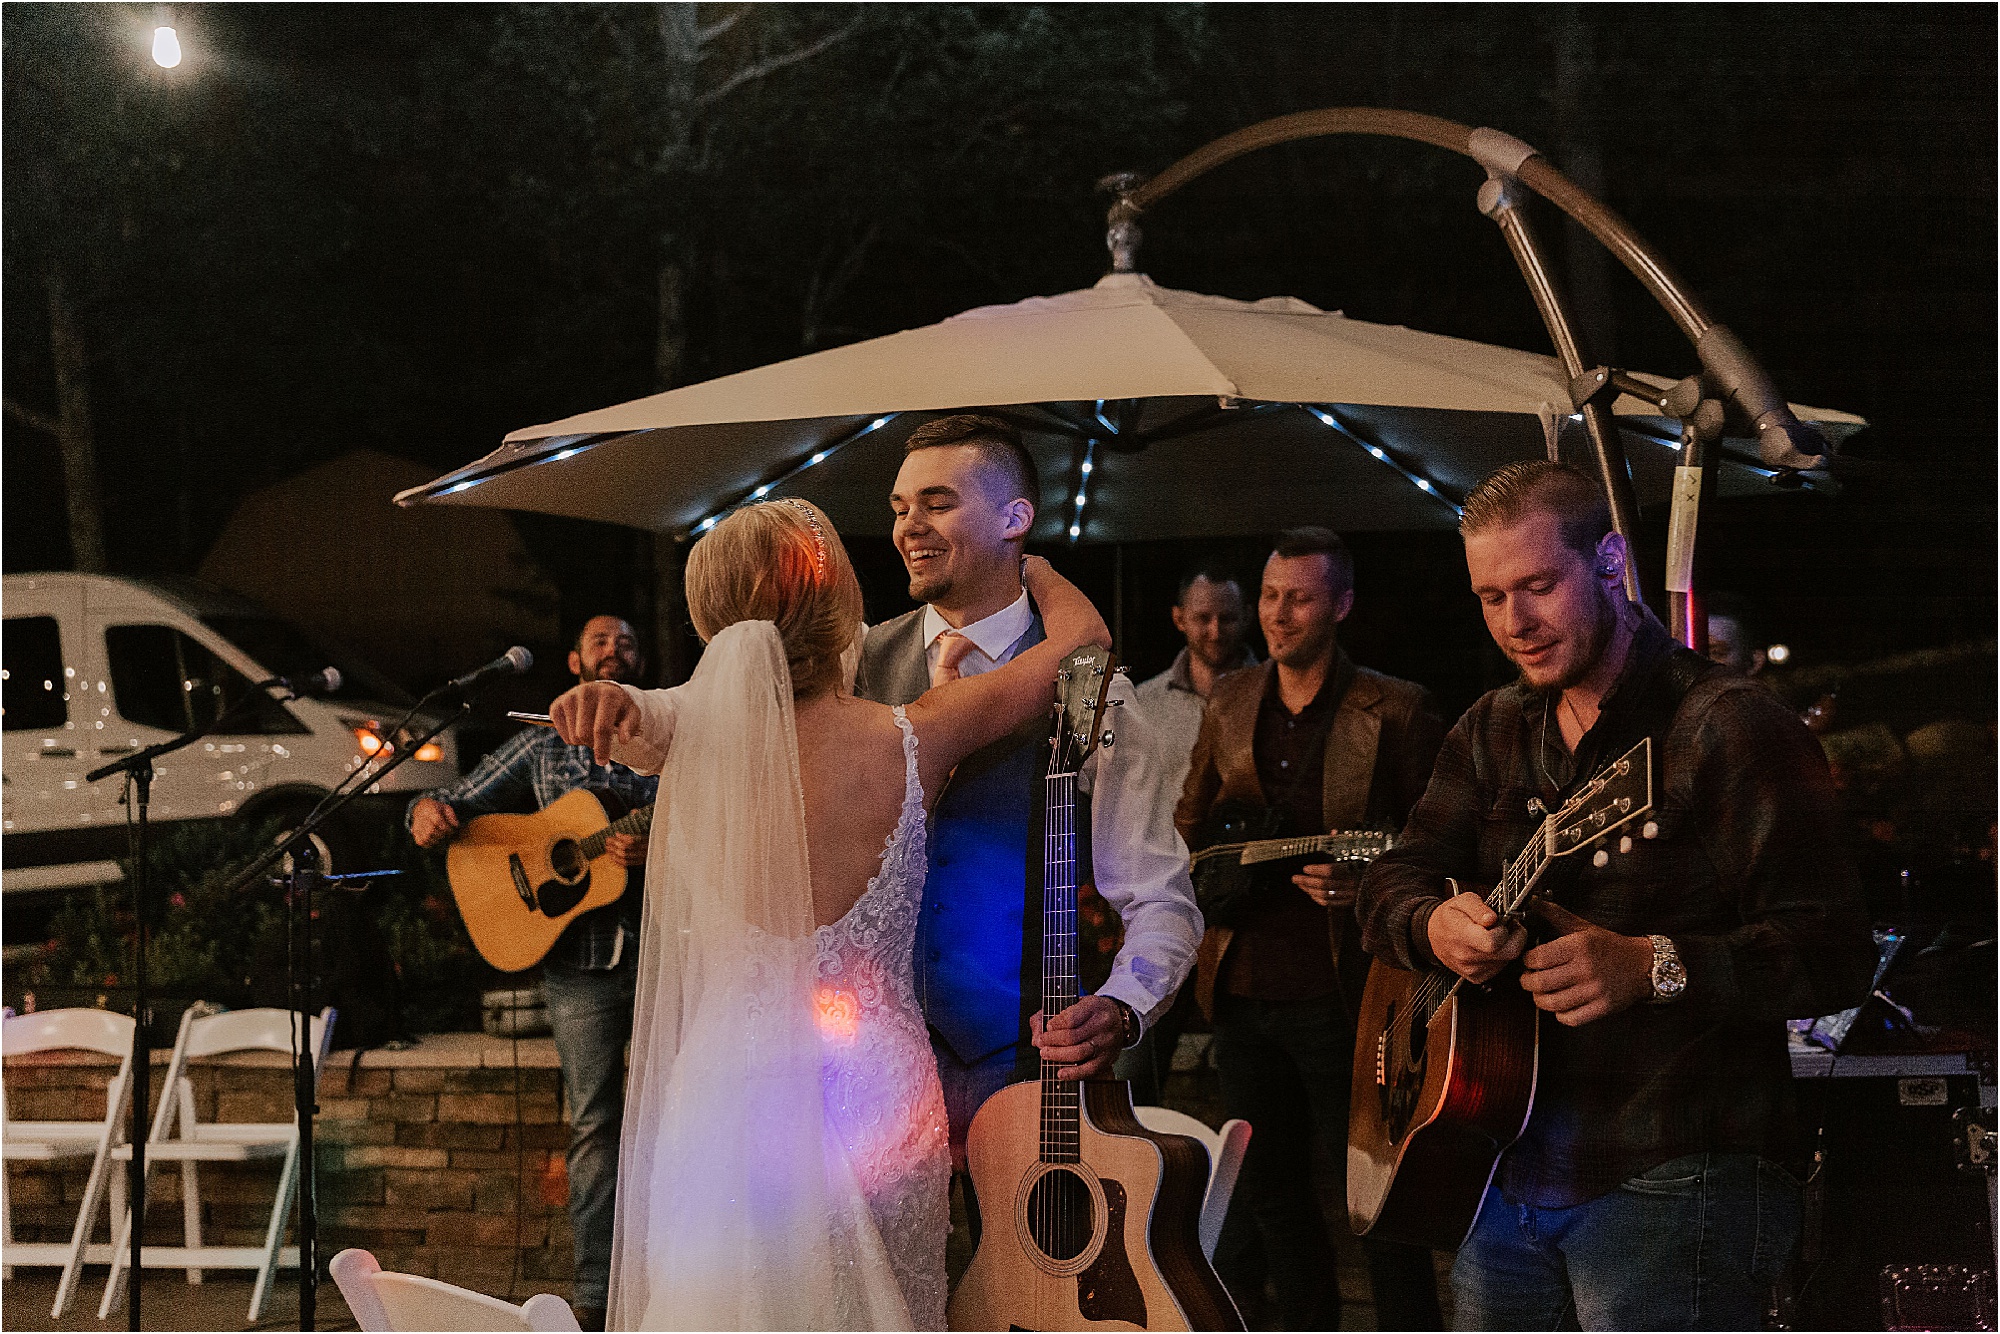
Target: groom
{"type": "Point", "coordinates": [964, 501]}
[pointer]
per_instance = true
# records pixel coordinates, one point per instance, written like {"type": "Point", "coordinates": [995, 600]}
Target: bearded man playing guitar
{"type": "Point", "coordinates": [1644, 1190]}
{"type": "Point", "coordinates": [1309, 743]}
{"type": "Point", "coordinates": [589, 974]}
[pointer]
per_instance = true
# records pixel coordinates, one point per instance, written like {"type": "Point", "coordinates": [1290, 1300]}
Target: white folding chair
{"type": "Point", "coordinates": [390, 1301]}
{"type": "Point", "coordinates": [51, 1141]}
{"type": "Point", "coordinates": [1225, 1160]}
{"type": "Point", "coordinates": [177, 1136]}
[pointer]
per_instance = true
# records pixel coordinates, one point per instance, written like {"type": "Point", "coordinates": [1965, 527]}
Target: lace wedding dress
{"type": "Point", "coordinates": [784, 1162]}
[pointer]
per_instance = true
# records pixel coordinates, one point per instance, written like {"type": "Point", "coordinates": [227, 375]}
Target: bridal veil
{"type": "Point", "coordinates": [737, 1208]}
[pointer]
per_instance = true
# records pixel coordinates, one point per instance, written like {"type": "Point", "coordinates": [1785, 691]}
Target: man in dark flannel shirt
{"type": "Point", "coordinates": [589, 973]}
{"type": "Point", "coordinates": [1646, 1191]}
{"type": "Point", "coordinates": [1324, 745]}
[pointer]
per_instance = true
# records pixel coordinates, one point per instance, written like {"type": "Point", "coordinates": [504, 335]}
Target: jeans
{"type": "Point", "coordinates": [591, 1013]}
{"type": "Point", "coordinates": [1693, 1243]}
{"type": "Point", "coordinates": [1286, 1068]}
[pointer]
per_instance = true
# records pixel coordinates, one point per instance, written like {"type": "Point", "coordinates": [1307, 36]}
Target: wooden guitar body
{"type": "Point", "coordinates": [1105, 1242]}
{"type": "Point", "coordinates": [520, 880]}
{"type": "Point", "coordinates": [1434, 1105]}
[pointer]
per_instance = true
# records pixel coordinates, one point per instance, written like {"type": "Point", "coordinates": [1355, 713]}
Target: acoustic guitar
{"type": "Point", "coordinates": [1091, 1219]}
{"type": "Point", "coordinates": [520, 880]}
{"type": "Point", "coordinates": [1444, 1071]}
{"type": "Point", "coordinates": [1236, 855]}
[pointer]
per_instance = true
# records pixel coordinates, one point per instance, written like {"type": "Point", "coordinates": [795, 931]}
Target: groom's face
{"type": "Point", "coordinates": [956, 529]}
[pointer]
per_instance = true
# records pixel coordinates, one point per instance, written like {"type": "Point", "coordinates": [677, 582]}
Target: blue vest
{"type": "Point", "coordinates": [979, 935]}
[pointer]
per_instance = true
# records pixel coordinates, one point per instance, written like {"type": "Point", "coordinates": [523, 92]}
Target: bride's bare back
{"type": "Point", "coordinates": [851, 766]}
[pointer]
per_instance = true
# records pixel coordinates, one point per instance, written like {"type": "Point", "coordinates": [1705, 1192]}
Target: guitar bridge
{"type": "Point", "coordinates": [1382, 1059]}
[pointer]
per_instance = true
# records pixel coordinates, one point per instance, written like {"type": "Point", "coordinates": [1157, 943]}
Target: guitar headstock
{"type": "Point", "coordinates": [1362, 846]}
{"type": "Point", "coordinates": [1616, 795]}
{"type": "Point", "coordinates": [1082, 684]}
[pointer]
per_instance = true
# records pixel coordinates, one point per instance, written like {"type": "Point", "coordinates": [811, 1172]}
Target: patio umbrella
{"type": "Point", "coordinates": [1151, 413]}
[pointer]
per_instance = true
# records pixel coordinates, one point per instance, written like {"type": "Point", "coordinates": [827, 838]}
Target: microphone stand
{"type": "Point", "coordinates": [138, 770]}
{"type": "Point", "coordinates": [305, 879]}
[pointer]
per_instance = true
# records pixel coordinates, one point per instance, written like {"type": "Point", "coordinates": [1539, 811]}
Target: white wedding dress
{"type": "Point", "coordinates": [784, 1163]}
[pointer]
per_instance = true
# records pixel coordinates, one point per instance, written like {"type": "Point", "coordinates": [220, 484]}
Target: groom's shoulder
{"type": "Point", "coordinates": [887, 637]}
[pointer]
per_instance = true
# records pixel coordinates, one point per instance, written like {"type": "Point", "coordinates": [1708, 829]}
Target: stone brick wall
{"type": "Point", "coordinates": [426, 1157]}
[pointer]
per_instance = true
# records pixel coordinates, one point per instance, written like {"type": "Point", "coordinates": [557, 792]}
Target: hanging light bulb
{"type": "Point", "coordinates": [166, 47]}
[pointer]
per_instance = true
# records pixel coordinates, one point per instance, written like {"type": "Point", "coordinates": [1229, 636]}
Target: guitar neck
{"type": "Point", "coordinates": [1363, 845]}
{"type": "Point", "coordinates": [1061, 1099]}
{"type": "Point", "coordinates": [632, 822]}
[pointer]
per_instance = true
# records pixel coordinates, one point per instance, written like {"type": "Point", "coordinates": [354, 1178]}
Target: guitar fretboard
{"type": "Point", "coordinates": [1061, 1099]}
{"type": "Point", "coordinates": [632, 822]}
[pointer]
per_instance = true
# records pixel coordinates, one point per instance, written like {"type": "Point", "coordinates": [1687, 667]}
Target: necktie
{"type": "Point", "coordinates": [952, 648]}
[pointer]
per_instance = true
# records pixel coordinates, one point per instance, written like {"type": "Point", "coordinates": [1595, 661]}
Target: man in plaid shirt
{"type": "Point", "coordinates": [1645, 1191]}
{"type": "Point", "coordinates": [589, 974]}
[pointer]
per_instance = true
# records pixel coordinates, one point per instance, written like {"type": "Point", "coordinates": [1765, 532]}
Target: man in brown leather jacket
{"type": "Point", "coordinates": [1322, 745]}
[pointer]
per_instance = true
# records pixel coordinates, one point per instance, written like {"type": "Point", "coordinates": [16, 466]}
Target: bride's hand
{"type": "Point", "coordinates": [597, 714]}
{"type": "Point", "coordinates": [1068, 616]}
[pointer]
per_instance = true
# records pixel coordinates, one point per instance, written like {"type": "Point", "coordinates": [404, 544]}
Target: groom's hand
{"type": "Point", "coordinates": [1083, 1040]}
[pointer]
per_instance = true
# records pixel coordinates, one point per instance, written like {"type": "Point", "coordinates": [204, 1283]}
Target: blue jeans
{"type": "Point", "coordinates": [1285, 1068]}
{"type": "Point", "coordinates": [591, 1013]}
{"type": "Point", "coordinates": [1693, 1243]}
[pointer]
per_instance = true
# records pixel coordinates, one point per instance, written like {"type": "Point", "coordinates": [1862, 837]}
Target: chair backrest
{"type": "Point", "coordinates": [264, 1029]}
{"type": "Point", "coordinates": [1167, 1121]}
{"type": "Point", "coordinates": [1225, 1162]}
{"type": "Point", "coordinates": [390, 1301]}
{"type": "Point", "coordinates": [78, 1029]}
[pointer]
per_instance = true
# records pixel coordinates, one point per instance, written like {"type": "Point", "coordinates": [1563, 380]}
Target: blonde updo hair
{"type": "Point", "coordinates": [770, 563]}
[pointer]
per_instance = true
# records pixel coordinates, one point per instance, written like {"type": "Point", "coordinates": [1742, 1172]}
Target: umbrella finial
{"type": "Point", "coordinates": [1122, 234]}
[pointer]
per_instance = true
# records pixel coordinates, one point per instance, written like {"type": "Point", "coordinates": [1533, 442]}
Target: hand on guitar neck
{"type": "Point", "coordinates": [1471, 939]}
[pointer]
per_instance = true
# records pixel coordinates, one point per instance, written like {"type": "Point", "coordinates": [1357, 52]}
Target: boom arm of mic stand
{"type": "Point", "coordinates": [328, 810]}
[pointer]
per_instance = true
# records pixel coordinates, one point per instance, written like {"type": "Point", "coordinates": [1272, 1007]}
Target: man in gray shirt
{"type": "Point", "coordinates": [1209, 615]}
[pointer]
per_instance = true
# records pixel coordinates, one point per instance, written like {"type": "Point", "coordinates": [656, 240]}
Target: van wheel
{"type": "Point", "coordinates": [334, 841]}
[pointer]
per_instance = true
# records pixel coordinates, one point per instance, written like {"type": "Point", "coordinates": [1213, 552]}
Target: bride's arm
{"type": "Point", "coordinates": [618, 722]}
{"type": "Point", "coordinates": [961, 716]}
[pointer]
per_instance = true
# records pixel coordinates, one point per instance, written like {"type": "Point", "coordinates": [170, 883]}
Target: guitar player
{"type": "Point", "coordinates": [1320, 744]}
{"type": "Point", "coordinates": [589, 974]}
{"type": "Point", "coordinates": [1644, 1192]}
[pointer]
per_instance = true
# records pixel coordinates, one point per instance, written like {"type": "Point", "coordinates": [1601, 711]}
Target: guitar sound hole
{"type": "Point", "coordinates": [1059, 1215]}
{"type": "Point", "coordinates": [566, 859]}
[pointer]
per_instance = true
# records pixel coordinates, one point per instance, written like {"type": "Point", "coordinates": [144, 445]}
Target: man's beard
{"type": "Point", "coordinates": [1595, 642]}
{"type": "Point", "coordinates": [598, 672]}
{"type": "Point", "coordinates": [929, 588]}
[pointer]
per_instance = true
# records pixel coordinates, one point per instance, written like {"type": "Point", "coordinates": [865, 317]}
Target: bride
{"type": "Point", "coordinates": [784, 1161]}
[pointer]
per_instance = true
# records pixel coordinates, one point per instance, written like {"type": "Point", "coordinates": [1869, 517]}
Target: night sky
{"type": "Point", "coordinates": [415, 228]}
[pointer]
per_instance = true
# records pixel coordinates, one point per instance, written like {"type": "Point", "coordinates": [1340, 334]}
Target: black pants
{"type": "Point", "coordinates": [1285, 1069]}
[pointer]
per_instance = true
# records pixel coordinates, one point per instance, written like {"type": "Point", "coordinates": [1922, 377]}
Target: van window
{"type": "Point", "coordinates": [162, 678]}
{"type": "Point", "coordinates": [33, 693]}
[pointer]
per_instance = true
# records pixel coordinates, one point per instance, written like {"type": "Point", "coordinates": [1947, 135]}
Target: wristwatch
{"type": "Point", "coordinates": [1670, 975]}
{"type": "Point", "coordinates": [1133, 1030]}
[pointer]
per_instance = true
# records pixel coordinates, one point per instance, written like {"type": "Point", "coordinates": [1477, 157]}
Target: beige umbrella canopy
{"type": "Point", "coordinates": [1151, 412]}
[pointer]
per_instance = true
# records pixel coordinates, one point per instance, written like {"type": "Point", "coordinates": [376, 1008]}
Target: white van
{"type": "Point", "coordinates": [98, 666]}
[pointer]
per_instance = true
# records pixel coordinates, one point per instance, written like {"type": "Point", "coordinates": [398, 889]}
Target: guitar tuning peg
{"type": "Point", "coordinates": [1625, 843]}
{"type": "Point", "coordinates": [1652, 829]}
{"type": "Point", "coordinates": [1106, 739]}
{"type": "Point", "coordinates": [1601, 858]}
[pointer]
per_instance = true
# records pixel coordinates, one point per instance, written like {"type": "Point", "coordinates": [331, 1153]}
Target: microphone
{"type": "Point", "coordinates": [325, 681]}
{"type": "Point", "coordinates": [513, 662]}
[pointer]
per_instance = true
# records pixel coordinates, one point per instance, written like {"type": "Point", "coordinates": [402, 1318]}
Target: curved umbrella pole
{"type": "Point", "coordinates": [1730, 373]}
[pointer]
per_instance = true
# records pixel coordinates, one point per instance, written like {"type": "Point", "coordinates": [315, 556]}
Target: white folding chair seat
{"type": "Point", "coordinates": [383, 1300]}
{"type": "Point", "coordinates": [53, 1141]}
{"type": "Point", "coordinates": [178, 1137]}
{"type": "Point", "coordinates": [1225, 1162]}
